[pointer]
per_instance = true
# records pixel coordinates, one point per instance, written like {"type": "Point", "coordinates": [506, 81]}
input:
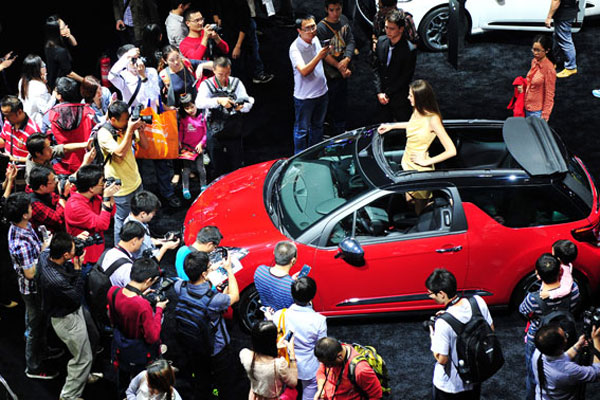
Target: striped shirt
{"type": "Point", "coordinates": [530, 308]}
{"type": "Point", "coordinates": [25, 247]}
{"type": "Point", "coordinates": [274, 291]}
{"type": "Point", "coordinates": [15, 139]}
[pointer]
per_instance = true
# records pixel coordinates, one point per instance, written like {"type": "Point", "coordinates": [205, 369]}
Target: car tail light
{"type": "Point", "coordinates": [588, 233]}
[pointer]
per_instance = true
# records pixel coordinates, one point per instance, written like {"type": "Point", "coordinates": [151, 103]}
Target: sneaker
{"type": "Point", "coordinates": [94, 377]}
{"type": "Point", "coordinates": [41, 374]}
{"type": "Point", "coordinates": [596, 93]}
{"type": "Point", "coordinates": [263, 77]}
{"type": "Point", "coordinates": [54, 353]}
{"type": "Point", "coordinates": [11, 304]}
{"type": "Point", "coordinates": [163, 348]}
{"type": "Point", "coordinates": [203, 188]}
{"type": "Point", "coordinates": [174, 202]}
{"type": "Point", "coordinates": [186, 194]}
{"type": "Point", "coordinates": [565, 73]}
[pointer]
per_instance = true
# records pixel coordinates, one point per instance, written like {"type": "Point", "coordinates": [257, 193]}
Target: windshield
{"type": "Point", "coordinates": [317, 182]}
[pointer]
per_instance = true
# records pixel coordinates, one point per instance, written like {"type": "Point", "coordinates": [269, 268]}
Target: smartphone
{"type": "Point", "coordinates": [44, 233]}
{"type": "Point", "coordinates": [289, 336]}
{"type": "Point", "coordinates": [326, 42]}
{"type": "Point", "coordinates": [304, 271]}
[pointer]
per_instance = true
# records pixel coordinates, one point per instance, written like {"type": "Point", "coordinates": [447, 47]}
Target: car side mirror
{"type": "Point", "coordinates": [352, 252]}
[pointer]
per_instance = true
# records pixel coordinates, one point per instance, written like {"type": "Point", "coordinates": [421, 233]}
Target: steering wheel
{"type": "Point", "coordinates": [363, 221]}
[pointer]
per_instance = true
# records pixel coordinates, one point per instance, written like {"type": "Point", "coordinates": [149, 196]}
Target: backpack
{"type": "Point", "coordinates": [559, 314]}
{"type": "Point", "coordinates": [370, 355]}
{"type": "Point", "coordinates": [97, 284]}
{"type": "Point", "coordinates": [478, 348]}
{"type": "Point", "coordinates": [224, 124]}
{"type": "Point", "coordinates": [100, 159]}
{"type": "Point", "coordinates": [193, 325]}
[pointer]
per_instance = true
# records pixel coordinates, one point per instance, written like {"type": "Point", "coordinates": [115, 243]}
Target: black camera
{"type": "Point", "coordinates": [62, 181]}
{"type": "Point", "coordinates": [159, 294]}
{"type": "Point", "coordinates": [81, 244]}
{"type": "Point", "coordinates": [135, 115]}
{"type": "Point", "coordinates": [429, 323]}
{"type": "Point", "coordinates": [110, 180]}
{"type": "Point", "coordinates": [173, 236]}
{"type": "Point", "coordinates": [591, 318]}
{"type": "Point", "coordinates": [134, 60]}
{"type": "Point", "coordinates": [241, 101]}
{"type": "Point", "coordinates": [218, 254]}
{"type": "Point", "coordinates": [214, 27]}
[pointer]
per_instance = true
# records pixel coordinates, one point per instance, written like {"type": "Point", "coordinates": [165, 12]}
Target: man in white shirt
{"type": "Point", "coordinates": [120, 257]}
{"type": "Point", "coordinates": [310, 84]}
{"type": "Point", "coordinates": [308, 326]}
{"type": "Point", "coordinates": [177, 30]}
{"type": "Point", "coordinates": [447, 383]}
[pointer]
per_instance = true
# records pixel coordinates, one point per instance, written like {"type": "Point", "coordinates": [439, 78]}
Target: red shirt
{"type": "Point", "coordinates": [541, 82]}
{"type": "Point", "coordinates": [83, 214]}
{"type": "Point", "coordinates": [48, 212]}
{"type": "Point", "coordinates": [365, 379]}
{"type": "Point", "coordinates": [18, 137]}
{"type": "Point", "coordinates": [134, 317]}
{"type": "Point", "coordinates": [193, 48]}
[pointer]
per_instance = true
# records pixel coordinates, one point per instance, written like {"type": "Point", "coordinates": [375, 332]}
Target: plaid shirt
{"type": "Point", "coordinates": [25, 247]}
{"type": "Point", "coordinates": [47, 211]}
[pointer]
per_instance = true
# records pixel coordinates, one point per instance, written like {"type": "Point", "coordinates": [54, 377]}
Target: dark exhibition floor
{"type": "Point", "coordinates": [479, 89]}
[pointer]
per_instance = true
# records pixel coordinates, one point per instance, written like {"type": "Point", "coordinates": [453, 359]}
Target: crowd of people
{"type": "Point", "coordinates": [70, 145]}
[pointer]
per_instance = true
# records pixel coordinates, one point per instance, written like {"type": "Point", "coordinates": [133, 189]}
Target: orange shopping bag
{"type": "Point", "coordinates": [163, 139]}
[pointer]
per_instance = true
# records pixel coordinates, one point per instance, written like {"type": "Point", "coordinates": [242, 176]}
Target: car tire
{"type": "Point", "coordinates": [249, 311]}
{"type": "Point", "coordinates": [433, 29]}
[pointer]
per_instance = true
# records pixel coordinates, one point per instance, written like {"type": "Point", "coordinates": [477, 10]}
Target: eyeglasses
{"type": "Point", "coordinates": [310, 28]}
{"type": "Point", "coordinates": [533, 49]}
{"type": "Point", "coordinates": [197, 20]}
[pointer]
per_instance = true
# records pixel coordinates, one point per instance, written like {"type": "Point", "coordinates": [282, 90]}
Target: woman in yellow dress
{"type": "Point", "coordinates": [424, 125]}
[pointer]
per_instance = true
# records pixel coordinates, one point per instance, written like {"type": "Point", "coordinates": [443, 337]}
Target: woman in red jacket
{"type": "Point", "coordinates": [541, 79]}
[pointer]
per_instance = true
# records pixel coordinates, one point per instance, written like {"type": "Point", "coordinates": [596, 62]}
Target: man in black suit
{"type": "Point", "coordinates": [393, 69]}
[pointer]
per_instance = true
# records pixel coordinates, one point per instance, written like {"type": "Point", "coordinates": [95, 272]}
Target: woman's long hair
{"type": "Point", "coordinates": [52, 31]}
{"type": "Point", "coordinates": [150, 47]}
{"type": "Point", "coordinates": [31, 70]}
{"type": "Point", "coordinates": [161, 377]}
{"type": "Point", "coordinates": [264, 341]}
{"type": "Point", "coordinates": [166, 51]}
{"type": "Point", "coordinates": [425, 101]}
{"type": "Point", "coordinates": [88, 88]}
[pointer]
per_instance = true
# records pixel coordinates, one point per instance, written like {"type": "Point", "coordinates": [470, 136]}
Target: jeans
{"type": "Point", "coordinates": [308, 127]}
{"type": "Point", "coordinates": [564, 41]}
{"type": "Point", "coordinates": [254, 59]}
{"type": "Point", "coordinates": [337, 107]}
{"type": "Point", "coordinates": [71, 329]}
{"type": "Point", "coordinates": [35, 333]}
{"type": "Point", "coordinates": [533, 113]}
{"type": "Point", "coordinates": [529, 377]}
{"type": "Point", "coordinates": [123, 210]}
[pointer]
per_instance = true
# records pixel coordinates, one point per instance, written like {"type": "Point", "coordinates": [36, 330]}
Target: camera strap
{"type": "Point", "coordinates": [134, 290]}
{"type": "Point", "coordinates": [135, 92]}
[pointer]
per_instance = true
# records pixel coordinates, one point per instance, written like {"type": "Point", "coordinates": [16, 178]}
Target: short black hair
{"type": "Point", "coordinates": [88, 176]}
{"type": "Point", "coordinates": [124, 49]}
{"type": "Point", "coordinates": [327, 349]}
{"type": "Point", "coordinates": [176, 3]}
{"type": "Point", "coordinates": [38, 176]}
{"type": "Point", "coordinates": [60, 244]}
{"type": "Point", "coordinates": [264, 338]}
{"type": "Point", "coordinates": [130, 230]}
{"type": "Point", "coordinates": [395, 17]}
{"type": "Point", "coordinates": [549, 341]}
{"type": "Point", "coordinates": [304, 17]}
{"type": "Point", "coordinates": [117, 108]}
{"type": "Point", "coordinates": [144, 201]}
{"type": "Point", "coordinates": [195, 264]}
{"type": "Point", "coordinates": [144, 268]}
{"type": "Point", "coordinates": [222, 62]}
{"type": "Point", "coordinates": [209, 234]}
{"type": "Point", "coordinates": [16, 206]}
{"type": "Point", "coordinates": [442, 280]}
{"type": "Point", "coordinates": [304, 290]}
{"type": "Point", "coordinates": [328, 2]}
{"type": "Point", "coordinates": [36, 143]}
{"type": "Point", "coordinates": [68, 89]}
{"type": "Point", "coordinates": [548, 268]}
{"type": "Point", "coordinates": [190, 11]}
{"type": "Point", "coordinates": [13, 102]}
{"type": "Point", "coordinates": [565, 251]}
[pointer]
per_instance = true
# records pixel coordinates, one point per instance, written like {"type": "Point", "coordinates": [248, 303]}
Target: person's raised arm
{"type": "Point", "coordinates": [307, 69]}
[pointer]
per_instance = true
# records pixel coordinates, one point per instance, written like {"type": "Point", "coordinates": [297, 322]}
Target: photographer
{"type": "Point", "coordinates": [132, 237]}
{"type": "Point", "coordinates": [200, 38]}
{"type": "Point", "coordinates": [144, 206]}
{"type": "Point", "coordinates": [62, 284]}
{"type": "Point", "coordinates": [226, 99]}
{"type": "Point", "coordinates": [207, 240]}
{"type": "Point", "coordinates": [90, 208]}
{"type": "Point", "coordinates": [447, 384]}
{"type": "Point", "coordinates": [556, 375]}
{"type": "Point", "coordinates": [116, 138]}
{"type": "Point", "coordinates": [136, 339]}
{"type": "Point", "coordinates": [47, 206]}
{"type": "Point", "coordinates": [198, 296]}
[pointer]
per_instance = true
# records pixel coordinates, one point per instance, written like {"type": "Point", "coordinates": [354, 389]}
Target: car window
{"type": "Point", "coordinates": [523, 206]}
{"type": "Point", "coordinates": [579, 175]}
{"type": "Point", "coordinates": [395, 216]}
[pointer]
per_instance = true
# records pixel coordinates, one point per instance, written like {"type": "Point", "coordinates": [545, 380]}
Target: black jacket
{"type": "Point", "coordinates": [393, 80]}
{"type": "Point", "coordinates": [61, 286]}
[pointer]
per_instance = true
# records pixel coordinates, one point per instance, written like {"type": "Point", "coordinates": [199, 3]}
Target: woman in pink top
{"type": "Point", "coordinates": [192, 142]}
{"type": "Point", "coordinates": [541, 80]}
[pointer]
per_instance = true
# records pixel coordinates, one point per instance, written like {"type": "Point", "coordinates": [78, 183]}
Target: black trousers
{"type": "Point", "coordinates": [397, 110]}
{"type": "Point", "coordinates": [203, 373]}
{"type": "Point", "coordinates": [226, 155]}
{"type": "Point", "coordinates": [469, 395]}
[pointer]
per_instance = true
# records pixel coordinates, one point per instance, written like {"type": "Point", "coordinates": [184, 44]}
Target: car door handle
{"type": "Point", "coordinates": [450, 249]}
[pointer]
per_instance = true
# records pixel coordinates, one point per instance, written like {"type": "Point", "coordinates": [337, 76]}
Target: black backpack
{"type": "Point", "coordinates": [194, 327]}
{"type": "Point", "coordinates": [97, 285]}
{"type": "Point", "coordinates": [100, 159]}
{"type": "Point", "coordinates": [558, 314]}
{"type": "Point", "coordinates": [477, 347]}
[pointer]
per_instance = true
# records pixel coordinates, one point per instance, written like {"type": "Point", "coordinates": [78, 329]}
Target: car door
{"type": "Point", "coordinates": [398, 257]}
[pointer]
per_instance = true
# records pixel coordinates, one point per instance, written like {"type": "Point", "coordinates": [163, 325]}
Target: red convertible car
{"type": "Point", "coordinates": [511, 191]}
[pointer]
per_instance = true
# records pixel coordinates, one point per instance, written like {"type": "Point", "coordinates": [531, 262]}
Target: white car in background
{"type": "Point", "coordinates": [431, 16]}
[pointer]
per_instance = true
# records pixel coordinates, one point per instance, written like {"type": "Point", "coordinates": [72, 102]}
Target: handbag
{"type": "Point", "coordinates": [286, 392]}
{"type": "Point", "coordinates": [282, 352]}
{"type": "Point", "coordinates": [162, 135]}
